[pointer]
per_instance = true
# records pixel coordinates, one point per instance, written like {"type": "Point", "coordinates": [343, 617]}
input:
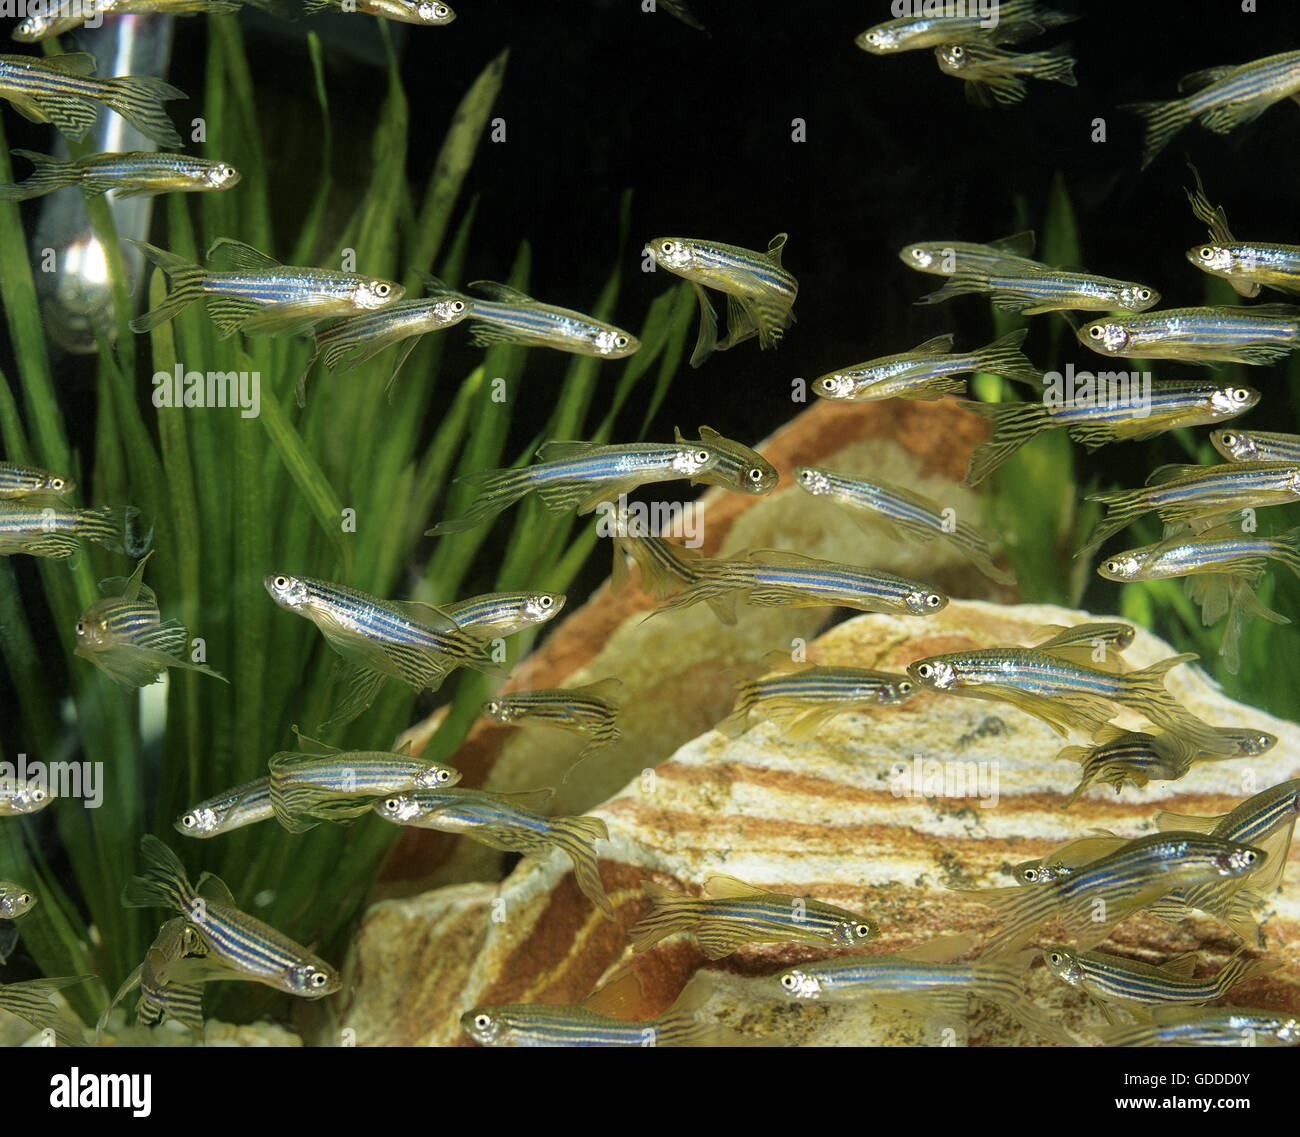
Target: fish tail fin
{"type": "Point", "coordinates": [1004, 357]}
{"type": "Point", "coordinates": [501, 489]}
{"type": "Point", "coordinates": [1124, 506]}
{"type": "Point", "coordinates": [163, 884]}
{"type": "Point", "coordinates": [50, 174]}
{"type": "Point", "coordinates": [1146, 693]}
{"type": "Point", "coordinates": [1163, 120]}
{"type": "Point", "coordinates": [577, 837]}
{"type": "Point", "coordinates": [1014, 424]}
{"type": "Point", "coordinates": [186, 279]}
{"type": "Point", "coordinates": [673, 912]}
{"type": "Point", "coordinates": [31, 1001]}
{"type": "Point", "coordinates": [119, 528]}
{"type": "Point", "coordinates": [999, 979]}
{"type": "Point", "coordinates": [1288, 549]}
{"type": "Point", "coordinates": [1022, 912]}
{"type": "Point", "coordinates": [1238, 969]}
{"type": "Point", "coordinates": [736, 723]}
{"type": "Point", "coordinates": [139, 99]}
{"type": "Point", "coordinates": [1057, 64]}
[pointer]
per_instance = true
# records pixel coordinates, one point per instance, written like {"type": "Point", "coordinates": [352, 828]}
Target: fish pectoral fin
{"type": "Point", "coordinates": [946, 948]}
{"type": "Point", "coordinates": [361, 686]}
{"type": "Point", "coordinates": [707, 338]}
{"type": "Point", "coordinates": [287, 317]}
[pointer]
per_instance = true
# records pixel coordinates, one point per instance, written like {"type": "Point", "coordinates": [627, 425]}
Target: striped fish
{"type": "Point", "coordinates": [63, 16]}
{"type": "Point", "coordinates": [732, 913]}
{"type": "Point", "coordinates": [1244, 265]}
{"type": "Point", "coordinates": [1065, 859]}
{"type": "Point", "coordinates": [1210, 1026]}
{"type": "Point", "coordinates": [665, 565]}
{"type": "Point", "coordinates": [1111, 979]}
{"type": "Point", "coordinates": [135, 173]}
{"type": "Point", "coordinates": [944, 258]}
{"type": "Point", "coordinates": [581, 475]}
{"type": "Point", "coordinates": [739, 468]}
{"type": "Point", "coordinates": [428, 13]}
{"type": "Point", "coordinates": [19, 797]}
{"type": "Point", "coordinates": [496, 821]}
{"type": "Point", "coordinates": [1066, 695]}
{"type": "Point", "coordinates": [325, 784]}
{"type": "Point", "coordinates": [1223, 98]}
{"type": "Point", "coordinates": [760, 292]}
{"type": "Point", "coordinates": [19, 481]}
{"type": "Point", "coordinates": [588, 710]}
{"type": "Point", "coordinates": [1096, 642]}
{"type": "Point", "coordinates": [511, 316]}
{"type": "Point", "coordinates": [497, 614]}
{"type": "Point", "coordinates": [929, 371]}
{"type": "Point", "coordinates": [1256, 446]}
{"type": "Point", "coordinates": [1224, 549]}
{"type": "Point", "coordinates": [1007, 22]}
{"type": "Point", "coordinates": [259, 295]}
{"type": "Point", "coordinates": [32, 1000]}
{"type": "Point", "coordinates": [238, 945]}
{"type": "Point", "coordinates": [926, 981]}
{"type": "Point", "coordinates": [1096, 896]}
{"type": "Point", "coordinates": [45, 527]}
{"type": "Point", "coordinates": [1014, 286]}
{"type": "Point", "coordinates": [992, 75]}
{"type": "Point", "coordinates": [125, 636]}
{"type": "Point", "coordinates": [1097, 417]}
{"type": "Point", "coordinates": [242, 805]}
{"type": "Point", "coordinates": [349, 342]}
{"type": "Point", "coordinates": [1129, 756]}
{"type": "Point", "coordinates": [801, 702]}
{"type": "Point", "coordinates": [1183, 493]}
{"type": "Point", "coordinates": [898, 512]}
{"type": "Point", "coordinates": [776, 578]}
{"type": "Point", "coordinates": [160, 1001]}
{"type": "Point", "coordinates": [15, 900]}
{"type": "Point", "coordinates": [1255, 334]}
{"type": "Point", "coordinates": [59, 89]}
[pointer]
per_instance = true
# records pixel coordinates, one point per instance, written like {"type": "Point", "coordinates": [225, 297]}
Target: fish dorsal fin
{"type": "Point", "coordinates": [1264, 311]}
{"type": "Point", "coordinates": [940, 345]}
{"type": "Point", "coordinates": [1171, 472]}
{"type": "Point", "coordinates": [1181, 965]}
{"type": "Point", "coordinates": [131, 591]}
{"type": "Point", "coordinates": [774, 247]}
{"type": "Point", "coordinates": [1017, 245]}
{"type": "Point", "coordinates": [558, 449]}
{"type": "Point", "coordinates": [779, 558]}
{"type": "Point", "coordinates": [405, 749]}
{"type": "Point", "coordinates": [433, 284]}
{"type": "Point", "coordinates": [1198, 79]}
{"type": "Point", "coordinates": [237, 255]}
{"type": "Point", "coordinates": [942, 950]}
{"type": "Point", "coordinates": [708, 434]}
{"type": "Point", "coordinates": [1168, 822]}
{"type": "Point", "coordinates": [621, 997]}
{"type": "Point", "coordinates": [74, 62]}
{"type": "Point", "coordinates": [722, 887]}
{"type": "Point", "coordinates": [313, 745]}
{"type": "Point", "coordinates": [503, 292]}
{"type": "Point", "coordinates": [212, 887]}
{"type": "Point", "coordinates": [607, 690]}
{"type": "Point", "coordinates": [778, 660]}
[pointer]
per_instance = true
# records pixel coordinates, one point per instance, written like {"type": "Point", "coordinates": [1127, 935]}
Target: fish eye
{"type": "Point", "coordinates": [1096, 332]}
{"type": "Point", "coordinates": [38, 795]}
{"type": "Point", "coordinates": [669, 246]}
{"type": "Point", "coordinates": [701, 455]}
{"type": "Point", "coordinates": [620, 341]}
{"type": "Point", "coordinates": [281, 582]}
{"type": "Point", "coordinates": [789, 982]}
{"type": "Point", "coordinates": [1055, 957]}
{"type": "Point", "coordinates": [545, 602]}
{"type": "Point", "coordinates": [57, 485]}
{"type": "Point", "coordinates": [1229, 440]}
{"type": "Point", "coordinates": [1144, 294]}
{"type": "Point", "coordinates": [482, 1022]}
{"type": "Point", "coordinates": [806, 476]}
{"type": "Point", "coordinates": [1205, 253]}
{"type": "Point", "coordinates": [1030, 875]}
{"type": "Point", "coordinates": [458, 306]}
{"type": "Point", "coordinates": [933, 600]}
{"type": "Point", "coordinates": [441, 10]}
{"type": "Point", "coordinates": [392, 805]}
{"type": "Point", "coordinates": [24, 898]}
{"type": "Point", "coordinates": [491, 707]}
{"type": "Point", "coordinates": [1112, 566]}
{"type": "Point", "coordinates": [189, 821]}
{"type": "Point", "coordinates": [1249, 857]}
{"type": "Point", "coordinates": [754, 474]}
{"type": "Point", "coordinates": [443, 776]}
{"type": "Point", "coordinates": [1240, 395]}
{"type": "Point", "coordinates": [382, 289]}
{"type": "Point", "coordinates": [862, 931]}
{"type": "Point", "coordinates": [318, 979]}
{"type": "Point", "coordinates": [81, 627]}
{"type": "Point", "coordinates": [925, 671]}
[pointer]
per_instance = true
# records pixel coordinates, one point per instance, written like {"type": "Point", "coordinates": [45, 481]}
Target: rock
{"type": "Point", "coordinates": [829, 818]}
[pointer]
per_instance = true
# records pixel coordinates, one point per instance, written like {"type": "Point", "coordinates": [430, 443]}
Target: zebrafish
{"type": "Point", "coordinates": [800, 702]}
{"type": "Point", "coordinates": [242, 805]}
{"type": "Point", "coordinates": [739, 468]}
{"type": "Point", "coordinates": [430, 13]}
{"type": "Point", "coordinates": [1066, 695]}
{"type": "Point", "coordinates": [494, 820]}
{"type": "Point", "coordinates": [15, 900]}
{"type": "Point", "coordinates": [1255, 334]}
{"type": "Point", "coordinates": [45, 527]}
{"type": "Point", "coordinates": [1244, 265]}
{"type": "Point", "coordinates": [19, 798]}
{"type": "Point", "coordinates": [1209, 1026]}
{"type": "Point", "coordinates": [349, 342]}
{"type": "Point", "coordinates": [135, 173]}
{"type": "Point", "coordinates": [19, 481]}
{"type": "Point", "coordinates": [1094, 897]}
{"type": "Point", "coordinates": [59, 89]}
{"type": "Point", "coordinates": [1223, 98]}
{"type": "Point", "coordinates": [760, 292]}
{"type": "Point", "coordinates": [1256, 446]}
{"type": "Point", "coordinates": [63, 16]}
{"type": "Point", "coordinates": [994, 75]}
{"type": "Point", "coordinates": [666, 567]}
{"type": "Point", "coordinates": [1223, 549]}
{"type": "Point", "coordinates": [32, 1000]}
{"type": "Point", "coordinates": [1004, 22]}
{"type": "Point", "coordinates": [1032, 289]}
{"type": "Point", "coordinates": [322, 783]}
{"type": "Point", "coordinates": [1125, 756]}
{"type": "Point", "coordinates": [259, 295]}
{"type": "Point", "coordinates": [1183, 493]}
{"type": "Point", "coordinates": [1112, 980]}
{"type": "Point", "coordinates": [238, 945]}
{"type": "Point", "coordinates": [511, 316]}
{"type": "Point", "coordinates": [925, 981]}
{"type": "Point", "coordinates": [1094, 642]}
{"type": "Point", "coordinates": [929, 371]}
{"type": "Point", "coordinates": [944, 258]}
{"type": "Point", "coordinates": [732, 913]}
{"type": "Point", "coordinates": [898, 512]}
{"type": "Point", "coordinates": [581, 475]}
{"type": "Point", "coordinates": [1065, 859]}
{"type": "Point", "coordinates": [159, 1000]}
{"type": "Point", "coordinates": [1097, 419]}
{"type": "Point", "coordinates": [125, 636]}
{"type": "Point", "coordinates": [781, 579]}
{"type": "Point", "coordinates": [497, 614]}
{"type": "Point", "coordinates": [589, 710]}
